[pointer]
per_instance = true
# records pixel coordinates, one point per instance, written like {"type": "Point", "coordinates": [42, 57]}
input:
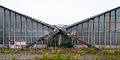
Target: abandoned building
{"type": "Point", "coordinates": [17, 29]}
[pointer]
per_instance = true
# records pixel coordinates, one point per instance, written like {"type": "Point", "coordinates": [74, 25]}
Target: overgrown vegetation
{"type": "Point", "coordinates": [66, 53]}
{"type": "Point", "coordinates": [53, 43]}
{"type": "Point", "coordinates": [65, 44]}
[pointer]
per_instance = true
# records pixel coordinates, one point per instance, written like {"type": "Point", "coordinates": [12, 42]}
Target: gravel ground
{"type": "Point", "coordinates": [17, 56]}
{"type": "Point", "coordinates": [32, 57]}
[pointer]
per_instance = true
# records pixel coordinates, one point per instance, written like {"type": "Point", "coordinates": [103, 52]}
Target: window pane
{"type": "Point", "coordinates": [96, 30]}
{"type": "Point", "coordinates": [40, 31]}
{"type": "Point", "coordinates": [118, 26]}
{"type": "Point", "coordinates": [6, 26]}
{"type": "Point", "coordinates": [23, 28]}
{"type": "Point", "coordinates": [34, 31]}
{"type": "Point", "coordinates": [12, 26]}
{"type": "Point", "coordinates": [102, 30]}
{"type": "Point", "coordinates": [18, 28]}
{"type": "Point", "coordinates": [107, 29]}
{"type": "Point", "coordinates": [91, 31]}
{"type": "Point", "coordinates": [1, 25]}
{"type": "Point", "coordinates": [85, 28]}
{"type": "Point", "coordinates": [45, 30]}
{"type": "Point", "coordinates": [113, 27]}
{"type": "Point", "coordinates": [28, 31]}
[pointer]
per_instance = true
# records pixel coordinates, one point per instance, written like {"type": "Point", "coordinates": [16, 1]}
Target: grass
{"type": "Point", "coordinates": [67, 53]}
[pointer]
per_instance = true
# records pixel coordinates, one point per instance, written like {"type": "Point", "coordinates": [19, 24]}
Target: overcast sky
{"type": "Point", "coordinates": [60, 11]}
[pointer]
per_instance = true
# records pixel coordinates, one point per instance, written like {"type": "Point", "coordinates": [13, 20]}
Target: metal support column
{"type": "Point", "coordinates": [99, 29]}
{"type": "Point", "coordinates": [93, 32]}
{"type": "Point", "coordinates": [110, 28]}
{"type": "Point", "coordinates": [9, 27]}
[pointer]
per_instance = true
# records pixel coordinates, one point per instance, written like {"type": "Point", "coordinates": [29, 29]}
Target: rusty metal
{"type": "Point", "coordinates": [110, 27]}
{"type": "Point", "coordinates": [99, 30]}
{"type": "Point", "coordinates": [79, 39]}
{"type": "Point", "coordinates": [88, 31]}
{"type": "Point", "coordinates": [64, 32]}
{"type": "Point", "coordinates": [9, 26]}
{"type": "Point", "coordinates": [59, 38]}
{"type": "Point", "coordinates": [41, 39]}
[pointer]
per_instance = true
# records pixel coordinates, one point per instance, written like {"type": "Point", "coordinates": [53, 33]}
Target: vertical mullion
{"type": "Point", "coordinates": [82, 31]}
{"type": "Point", "coordinates": [37, 32]}
{"type": "Point", "coordinates": [110, 27]}
{"type": "Point", "coordinates": [115, 29]}
{"type": "Point", "coordinates": [93, 33]}
{"type": "Point", "coordinates": [14, 28]}
{"type": "Point", "coordinates": [72, 34]}
{"type": "Point", "coordinates": [42, 31]}
{"type": "Point", "coordinates": [31, 30]}
{"type": "Point", "coordinates": [26, 29]}
{"type": "Point", "coordinates": [104, 30]}
{"type": "Point", "coordinates": [3, 27]}
{"type": "Point", "coordinates": [21, 27]}
{"type": "Point", "coordinates": [77, 32]}
{"type": "Point", "coordinates": [9, 27]}
{"type": "Point", "coordinates": [88, 31]}
{"type": "Point", "coordinates": [47, 33]}
{"type": "Point", "coordinates": [99, 29]}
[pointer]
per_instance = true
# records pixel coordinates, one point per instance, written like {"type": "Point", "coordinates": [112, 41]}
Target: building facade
{"type": "Point", "coordinates": [100, 30]}
{"type": "Point", "coordinates": [15, 26]}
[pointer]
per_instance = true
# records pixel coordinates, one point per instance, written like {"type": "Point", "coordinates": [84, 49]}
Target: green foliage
{"type": "Point", "coordinates": [93, 51]}
{"type": "Point", "coordinates": [66, 44]}
{"type": "Point", "coordinates": [53, 43]}
{"type": "Point", "coordinates": [13, 58]}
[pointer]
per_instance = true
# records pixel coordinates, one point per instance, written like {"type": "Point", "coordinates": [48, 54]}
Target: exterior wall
{"type": "Point", "coordinates": [99, 30]}
{"type": "Point", "coordinates": [18, 27]}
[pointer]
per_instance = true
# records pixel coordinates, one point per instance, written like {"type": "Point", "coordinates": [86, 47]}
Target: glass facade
{"type": "Point", "coordinates": [18, 27]}
{"type": "Point", "coordinates": [1, 24]}
{"type": "Point", "coordinates": [102, 29]}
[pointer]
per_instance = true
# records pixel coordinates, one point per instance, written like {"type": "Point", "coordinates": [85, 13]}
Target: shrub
{"type": "Point", "coordinates": [13, 58]}
{"type": "Point", "coordinates": [66, 44]}
{"type": "Point", "coordinates": [53, 43]}
{"type": "Point", "coordinates": [93, 51]}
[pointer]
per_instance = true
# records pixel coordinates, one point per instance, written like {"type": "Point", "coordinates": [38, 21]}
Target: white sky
{"type": "Point", "coordinates": [60, 11]}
